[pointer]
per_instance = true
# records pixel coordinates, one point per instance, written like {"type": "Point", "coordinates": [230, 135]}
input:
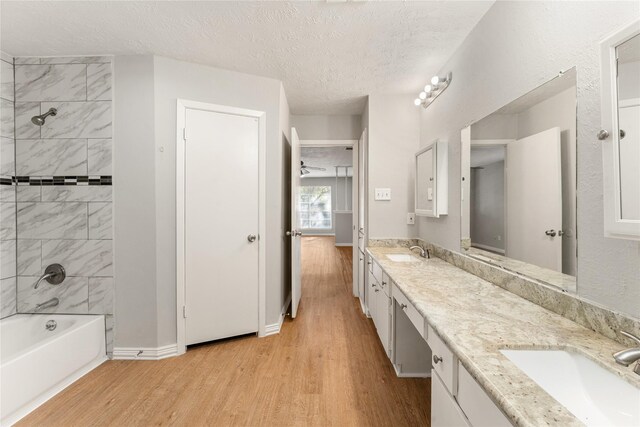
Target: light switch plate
{"type": "Point", "coordinates": [383, 194]}
{"type": "Point", "coordinates": [430, 193]}
{"type": "Point", "coordinates": [411, 218]}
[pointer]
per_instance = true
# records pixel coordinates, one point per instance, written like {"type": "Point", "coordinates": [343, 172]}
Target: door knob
{"type": "Point", "coordinates": [294, 233]}
{"type": "Point", "coordinates": [551, 233]}
{"type": "Point", "coordinates": [251, 238]}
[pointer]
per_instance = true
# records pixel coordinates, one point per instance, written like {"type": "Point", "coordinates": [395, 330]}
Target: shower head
{"type": "Point", "coordinates": [39, 120]}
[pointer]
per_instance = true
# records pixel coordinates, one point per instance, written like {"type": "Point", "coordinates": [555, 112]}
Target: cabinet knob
{"type": "Point", "coordinates": [403, 306]}
{"type": "Point", "coordinates": [603, 134]}
{"type": "Point", "coordinates": [436, 359]}
{"type": "Point", "coordinates": [377, 290]}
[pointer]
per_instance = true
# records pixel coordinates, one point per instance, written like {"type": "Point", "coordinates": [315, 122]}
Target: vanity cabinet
{"type": "Point", "coordinates": [379, 304]}
{"type": "Point", "coordinates": [456, 398]}
{"type": "Point", "coordinates": [362, 263]}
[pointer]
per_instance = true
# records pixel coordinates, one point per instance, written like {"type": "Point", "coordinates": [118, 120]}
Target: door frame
{"type": "Point", "coordinates": [182, 105]}
{"type": "Point", "coordinates": [328, 143]}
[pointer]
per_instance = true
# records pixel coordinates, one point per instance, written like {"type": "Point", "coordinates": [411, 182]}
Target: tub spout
{"type": "Point", "coordinates": [53, 302]}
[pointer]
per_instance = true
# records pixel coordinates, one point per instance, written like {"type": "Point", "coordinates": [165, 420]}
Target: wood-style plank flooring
{"type": "Point", "coordinates": [326, 367]}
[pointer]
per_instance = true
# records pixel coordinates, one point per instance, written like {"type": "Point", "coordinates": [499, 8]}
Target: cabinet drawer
{"type": "Point", "coordinates": [377, 271]}
{"type": "Point", "coordinates": [385, 284]}
{"type": "Point", "coordinates": [443, 361]}
{"type": "Point", "coordinates": [411, 312]}
{"type": "Point", "coordinates": [445, 412]}
{"type": "Point", "coordinates": [476, 404]}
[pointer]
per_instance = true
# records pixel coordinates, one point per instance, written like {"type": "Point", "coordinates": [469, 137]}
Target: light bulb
{"type": "Point", "coordinates": [435, 80]}
{"type": "Point", "coordinates": [427, 88]}
{"type": "Point", "coordinates": [423, 95]}
{"type": "Point", "coordinates": [417, 101]}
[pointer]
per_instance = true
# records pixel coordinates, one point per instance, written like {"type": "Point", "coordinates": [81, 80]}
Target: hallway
{"type": "Point", "coordinates": [327, 367]}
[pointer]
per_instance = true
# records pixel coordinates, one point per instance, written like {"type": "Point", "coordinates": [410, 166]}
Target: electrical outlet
{"type": "Point", "coordinates": [499, 237]}
{"type": "Point", "coordinates": [411, 218]}
{"type": "Point", "coordinates": [383, 194]}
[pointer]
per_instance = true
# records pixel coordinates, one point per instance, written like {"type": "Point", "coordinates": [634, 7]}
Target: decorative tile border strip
{"type": "Point", "coordinates": [58, 180]}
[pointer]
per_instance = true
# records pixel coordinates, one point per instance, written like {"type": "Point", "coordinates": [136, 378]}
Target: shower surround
{"type": "Point", "coordinates": [63, 184]}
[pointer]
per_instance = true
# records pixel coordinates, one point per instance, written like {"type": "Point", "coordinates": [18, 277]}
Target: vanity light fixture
{"type": "Point", "coordinates": [433, 90]}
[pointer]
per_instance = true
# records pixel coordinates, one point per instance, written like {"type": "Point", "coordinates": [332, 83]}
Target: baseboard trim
{"type": "Point", "coordinates": [344, 244]}
{"type": "Point", "coordinates": [145, 353]}
{"type": "Point", "coordinates": [274, 328]}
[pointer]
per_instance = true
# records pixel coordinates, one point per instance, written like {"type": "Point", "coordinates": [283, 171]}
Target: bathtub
{"type": "Point", "coordinates": [37, 363]}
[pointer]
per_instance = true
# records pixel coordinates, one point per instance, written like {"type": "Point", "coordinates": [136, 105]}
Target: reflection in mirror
{"type": "Point", "coordinates": [628, 85]}
{"type": "Point", "coordinates": [519, 171]}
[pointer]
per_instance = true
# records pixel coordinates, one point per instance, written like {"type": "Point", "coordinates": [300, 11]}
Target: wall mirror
{"type": "Point", "coordinates": [431, 185]}
{"type": "Point", "coordinates": [519, 185]}
{"type": "Point", "coordinates": [620, 134]}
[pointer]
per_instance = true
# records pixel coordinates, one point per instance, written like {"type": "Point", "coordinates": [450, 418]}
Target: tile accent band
{"type": "Point", "coordinates": [58, 180]}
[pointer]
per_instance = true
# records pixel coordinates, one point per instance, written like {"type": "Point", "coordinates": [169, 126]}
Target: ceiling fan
{"type": "Point", "coordinates": [304, 169]}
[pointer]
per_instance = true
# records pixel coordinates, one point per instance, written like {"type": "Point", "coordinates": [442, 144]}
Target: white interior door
{"type": "Point", "coordinates": [534, 199]}
{"type": "Point", "coordinates": [296, 285]}
{"type": "Point", "coordinates": [221, 225]}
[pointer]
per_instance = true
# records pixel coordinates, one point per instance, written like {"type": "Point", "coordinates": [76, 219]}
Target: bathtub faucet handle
{"type": "Point", "coordinates": [53, 274]}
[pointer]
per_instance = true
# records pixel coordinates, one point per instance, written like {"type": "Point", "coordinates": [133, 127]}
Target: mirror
{"type": "Point", "coordinates": [431, 190]}
{"type": "Point", "coordinates": [519, 185]}
{"type": "Point", "coordinates": [628, 108]}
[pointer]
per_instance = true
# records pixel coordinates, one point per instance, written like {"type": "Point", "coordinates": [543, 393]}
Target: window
{"type": "Point", "coordinates": [314, 206]}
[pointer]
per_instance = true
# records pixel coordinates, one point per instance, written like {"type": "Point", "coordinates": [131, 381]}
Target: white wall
{"type": "Point", "coordinates": [327, 127]}
{"type": "Point", "coordinates": [513, 49]}
{"type": "Point", "coordinates": [134, 220]}
{"type": "Point", "coordinates": [394, 131]}
{"type": "Point", "coordinates": [147, 144]}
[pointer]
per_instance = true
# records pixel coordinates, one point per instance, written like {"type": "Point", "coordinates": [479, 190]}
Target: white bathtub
{"type": "Point", "coordinates": [36, 364]}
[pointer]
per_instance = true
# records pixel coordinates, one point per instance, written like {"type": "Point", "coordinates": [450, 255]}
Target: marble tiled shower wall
{"type": "Point", "coordinates": [64, 192]}
{"type": "Point", "coordinates": [7, 191]}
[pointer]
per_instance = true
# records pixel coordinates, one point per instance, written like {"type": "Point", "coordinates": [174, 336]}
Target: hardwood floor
{"type": "Point", "coordinates": [327, 367]}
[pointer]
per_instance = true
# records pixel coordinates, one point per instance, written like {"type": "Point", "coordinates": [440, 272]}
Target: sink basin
{"type": "Point", "coordinates": [596, 396]}
{"type": "Point", "coordinates": [402, 258]}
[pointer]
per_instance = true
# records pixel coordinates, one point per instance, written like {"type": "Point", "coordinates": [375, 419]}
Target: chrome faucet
{"type": "Point", "coordinates": [630, 355]}
{"type": "Point", "coordinates": [424, 253]}
{"type": "Point", "coordinates": [53, 302]}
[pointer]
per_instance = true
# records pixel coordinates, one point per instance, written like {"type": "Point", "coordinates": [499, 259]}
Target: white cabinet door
{"type": "Point", "coordinates": [445, 412]}
{"type": "Point", "coordinates": [383, 323]}
{"type": "Point", "coordinates": [371, 295]}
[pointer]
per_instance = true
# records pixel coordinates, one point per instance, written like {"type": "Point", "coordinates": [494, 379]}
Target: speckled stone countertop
{"type": "Point", "coordinates": [477, 319]}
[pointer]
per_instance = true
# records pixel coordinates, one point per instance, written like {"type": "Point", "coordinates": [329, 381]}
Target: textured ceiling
{"type": "Point", "coordinates": [329, 55]}
{"type": "Point", "coordinates": [328, 158]}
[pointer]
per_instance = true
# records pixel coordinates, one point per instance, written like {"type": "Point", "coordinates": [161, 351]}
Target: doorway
{"type": "Point", "coordinates": [325, 204]}
{"type": "Point", "coordinates": [220, 218]}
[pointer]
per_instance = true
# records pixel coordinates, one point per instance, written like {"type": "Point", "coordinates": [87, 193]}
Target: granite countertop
{"type": "Point", "coordinates": [476, 319]}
